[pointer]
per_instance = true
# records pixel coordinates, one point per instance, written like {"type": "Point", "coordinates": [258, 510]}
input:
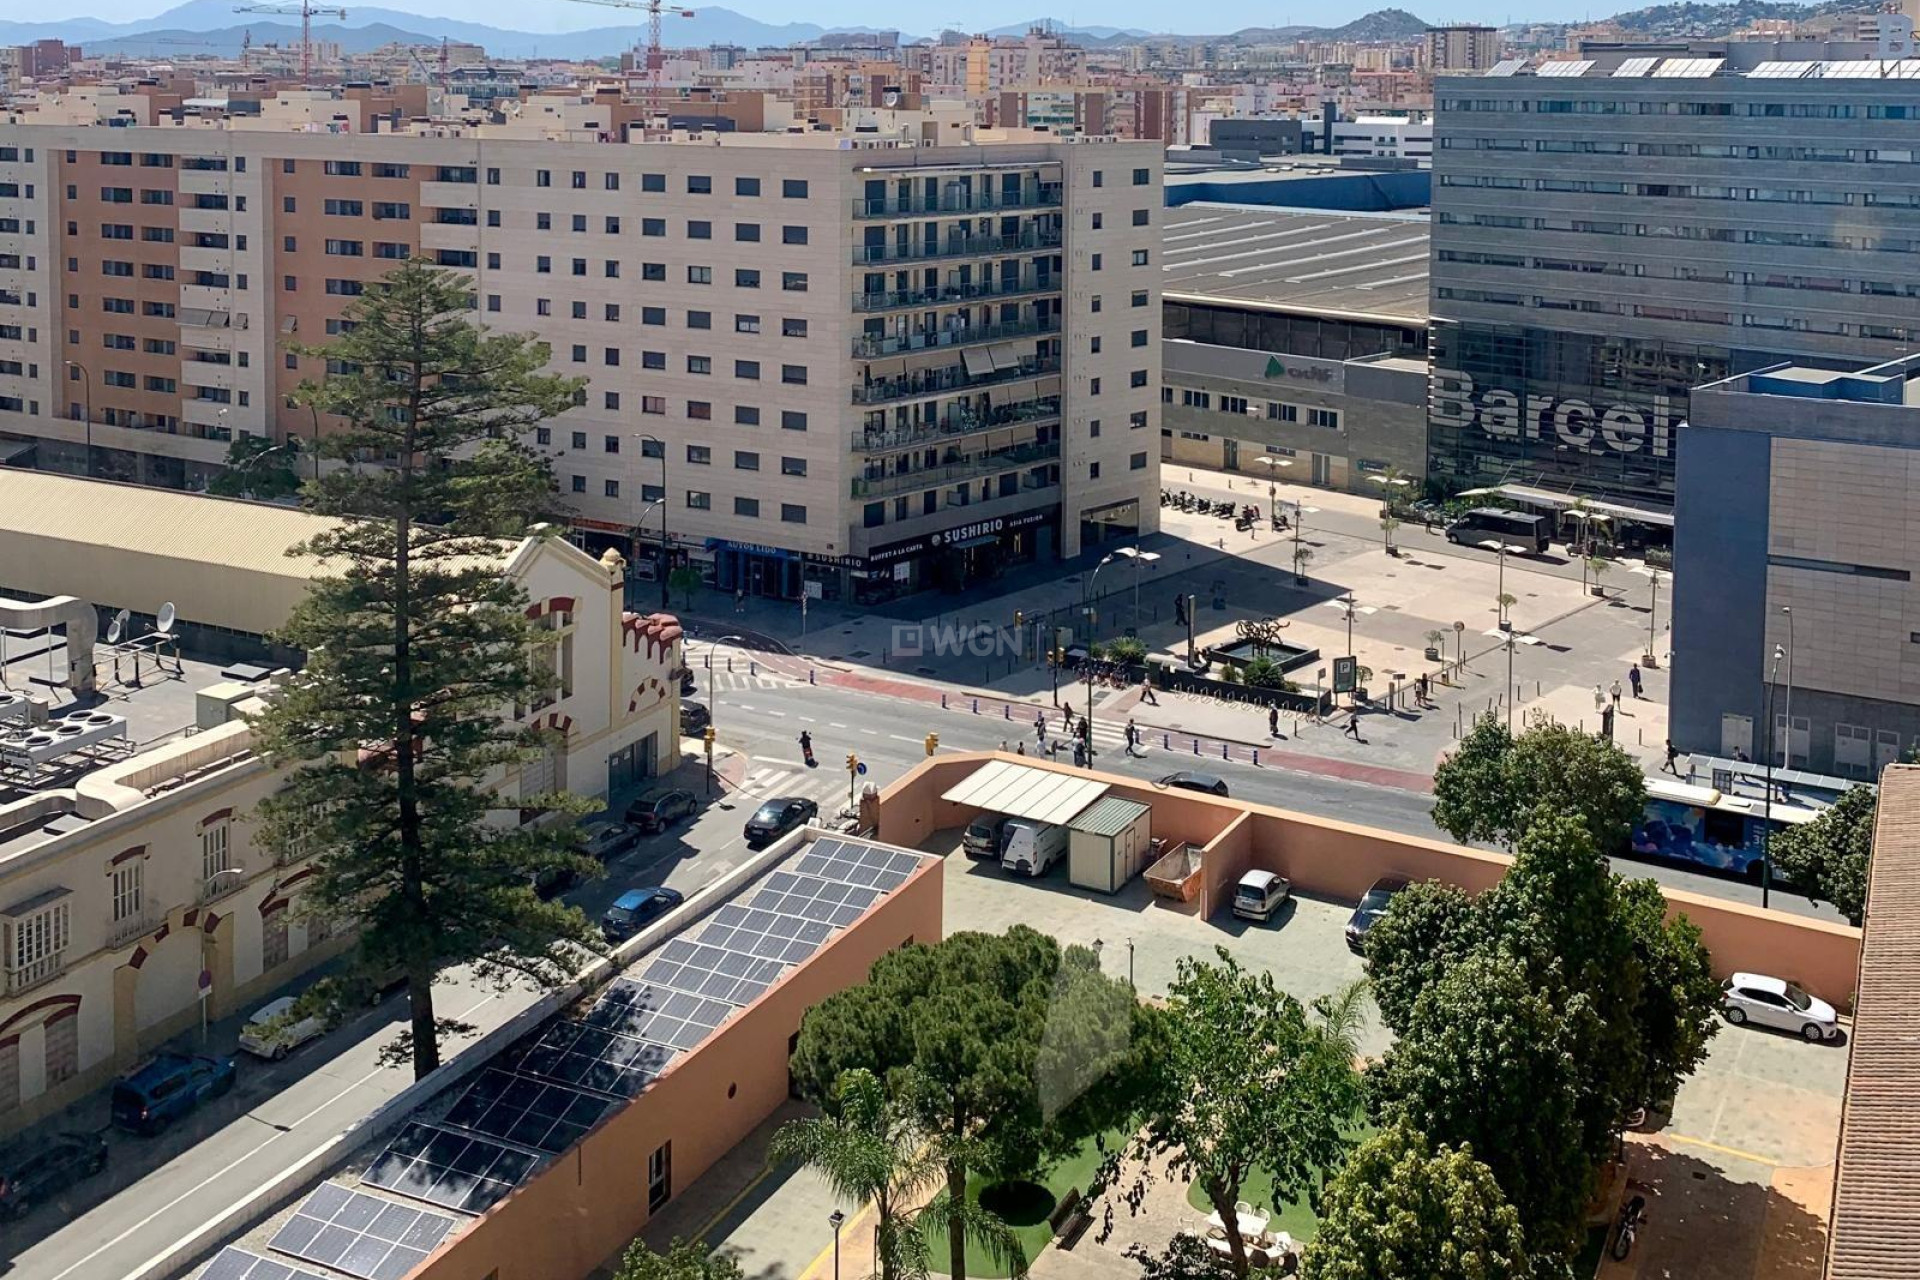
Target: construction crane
{"type": "Point", "coordinates": [654, 9]}
{"type": "Point", "coordinates": [307, 14]}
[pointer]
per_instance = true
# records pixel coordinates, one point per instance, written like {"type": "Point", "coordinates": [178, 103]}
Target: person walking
{"type": "Point", "coordinates": [1599, 699]}
{"type": "Point", "coordinates": [1133, 739]}
{"type": "Point", "coordinates": [1615, 691]}
{"type": "Point", "coordinates": [1633, 678]}
{"type": "Point", "coordinates": [1673, 753]}
{"type": "Point", "coordinates": [1353, 726]}
{"type": "Point", "coordinates": [1146, 691]}
{"type": "Point", "coordinates": [1020, 748]}
{"type": "Point", "coordinates": [1273, 722]}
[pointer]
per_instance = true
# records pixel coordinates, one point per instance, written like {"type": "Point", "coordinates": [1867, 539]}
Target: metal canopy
{"type": "Point", "coordinates": [1564, 501]}
{"type": "Point", "coordinates": [1022, 791]}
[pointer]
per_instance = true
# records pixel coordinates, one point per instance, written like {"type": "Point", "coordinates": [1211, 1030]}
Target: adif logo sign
{"type": "Point", "coordinates": [1569, 424]}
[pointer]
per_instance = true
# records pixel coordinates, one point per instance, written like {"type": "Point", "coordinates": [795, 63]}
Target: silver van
{"type": "Point", "coordinates": [1259, 894]}
{"type": "Point", "coordinates": [1029, 848]}
{"type": "Point", "coordinates": [983, 835]}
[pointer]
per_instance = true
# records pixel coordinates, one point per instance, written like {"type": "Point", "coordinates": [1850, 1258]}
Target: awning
{"type": "Point", "coordinates": [1022, 791]}
{"type": "Point", "coordinates": [978, 361]}
{"type": "Point", "coordinates": [1005, 356]}
{"type": "Point", "coordinates": [1562, 501]}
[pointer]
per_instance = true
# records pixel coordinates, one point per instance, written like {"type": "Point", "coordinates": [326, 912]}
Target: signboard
{"type": "Point", "coordinates": [1346, 674]}
{"type": "Point", "coordinates": [888, 552]}
{"type": "Point", "coordinates": [1300, 373]}
{"type": "Point", "coordinates": [206, 983]}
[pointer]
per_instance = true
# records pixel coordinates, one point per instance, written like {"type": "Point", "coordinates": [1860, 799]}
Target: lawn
{"type": "Point", "coordinates": [1025, 1207]}
{"type": "Point", "coordinates": [1295, 1217]}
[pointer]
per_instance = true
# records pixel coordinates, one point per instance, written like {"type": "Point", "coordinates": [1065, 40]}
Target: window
{"type": "Point", "coordinates": [611, 400]}
{"type": "Point", "coordinates": [1099, 178]}
{"type": "Point", "coordinates": [698, 185]}
{"type": "Point", "coordinates": [579, 353]}
{"type": "Point", "coordinates": [579, 311]}
{"type": "Point", "coordinates": [746, 415]}
{"type": "Point", "coordinates": [699, 500]}
{"type": "Point", "coordinates": [700, 410]}
{"type": "Point", "coordinates": [1141, 217]}
{"type": "Point", "coordinates": [749, 507]}
{"type": "Point", "coordinates": [126, 889]}
{"type": "Point", "coordinates": [543, 177]}
{"type": "Point", "coordinates": [1139, 298]}
{"type": "Point", "coordinates": [793, 235]}
{"type": "Point", "coordinates": [341, 168]}
{"type": "Point", "coordinates": [1137, 379]}
{"type": "Point", "coordinates": [1093, 471]}
{"type": "Point", "coordinates": [1093, 345]}
{"type": "Point", "coordinates": [748, 369]}
{"type": "Point", "coordinates": [700, 364]}
{"type": "Point", "coordinates": [793, 466]}
{"type": "Point", "coordinates": [1283, 412]}
{"type": "Point", "coordinates": [344, 208]}
{"type": "Point", "coordinates": [653, 226]}
{"type": "Point", "coordinates": [611, 270]}
{"type": "Point", "coordinates": [793, 281]}
{"type": "Point", "coordinates": [579, 266]}
{"type": "Point", "coordinates": [790, 328]}
{"type": "Point", "coordinates": [653, 271]}
{"type": "Point", "coordinates": [698, 229]}
{"type": "Point", "coordinates": [653, 360]}
{"type": "Point", "coordinates": [653, 182]}
{"type": "Point", "coordinates": [610, 357]}
{"type": "Point", "coordinates": [1099, 220]}
{"type": "Point", "coordinates": [1093, 304]}
{"type": "Point", "coordinates": [543, 306]}
{"type": "Point", "coordinates": [1137, 462]}
{"type": "Point", "coordinates": [1139, 338]}
{"type": "Point", "coordinates": [1136, 419]}
{"type": "Point", "coordinates": [653, 315]}
{"type": "Point", "coordinates": [392, 210]}
{"type": "Point", "coordinates": [746, 186]}
{"type": "Point", "coordinates": [611, 182]}
{"type": "Point", "coordinates": [745, 460]}
{"type": "Point", "coordinates": [699, 319]}
{"type": "Point", "coordinates": [792, 513]}
{"type": "Point", "coordinates": [745, 278]}
{"type": "Point", "coordinates": [612, 225]}
{"type": "Point", "coordinates": [794, 375]}
{"type": "Point", "coordinates": [699, 455]}
{"type": "Point", "coordinates": [746, 324]}
{"type": "Point", "coordinates": [36, 940]}
{"type": "Point", "coordinates": [1323, 418]}
{"type": "Point", "coordinates": [579, 484]}
{"type": "Point", "coordinates": [793, 188]}
{"type": "Point", "coordinates": [653, 404]}
{"type": "Point", "coordinates": [579, 439]}
{"type": "Point", "coordinates": [699, 275]}
{"type": "Point", "coordinates": [216, 848]}
{"type": "Point", "coordinates": [1093, 386]}
{"type": "Point", "coordinates": [611, 488]}
{"type": "Point", "coordinates": [345, 248]}
{"type": "Point", "coordinates": [793, 420]}
{"type": "Point", "coordinates": [1141, 177]}
{"type": "Point", "coordinates": [747, 232]}
{"type": "Point", "coordinates": [1141, 257]}
{"type": "Point", "coordinates": [543, 264]}
{"type": "Point", "coordinates": [1093, 261]}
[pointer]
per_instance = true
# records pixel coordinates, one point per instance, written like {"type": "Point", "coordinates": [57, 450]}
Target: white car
{"type": "Point", "coordinates": [1775, 1002]}
{"type": "Point", "coordinates": [273, 1032]}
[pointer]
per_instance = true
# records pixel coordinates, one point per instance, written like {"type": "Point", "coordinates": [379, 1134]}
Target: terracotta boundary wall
{"type": "Point", "coordinates": [1334, 859]}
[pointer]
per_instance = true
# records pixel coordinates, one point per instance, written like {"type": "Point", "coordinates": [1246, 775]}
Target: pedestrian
{"type": "Point", "coordinates": [1599, 699]}
{"type": "Point", "coordinates": [1633, 678]}
{"type": "Point", "coordinates": [1673, 753]}
{"type": "Point", "coordinates": [1133, 738]}
{"type": "Point", "coordinates": [1615, 691]}
{"type": "Point", "coordinates": [1420, 690]}
{"type": "Point", "coordinates": [1741, 756]}
{"type": "Point", "coordinates": [1146, 691]}
{"type": "Point", "coordinates": [1020, 748]}
{"type": "Point", "coordinates": [1353, 726]}
{"type": "Point", "coordinates": [1273, 722]}
{"type": "Point", "coordinates": [1040, 725]}
{"type": "Point", "coordinates": [1003, 744]}
{"type": "Point", "coordinates": [739, 599]}
{"type": "Point", "coordinates": [1079, 756]}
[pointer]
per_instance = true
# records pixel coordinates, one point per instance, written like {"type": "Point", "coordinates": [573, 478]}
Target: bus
{"type": "Point", "coordinates": [1522, 529]}
{"type": "Point", "coordinates": [1703, 826]}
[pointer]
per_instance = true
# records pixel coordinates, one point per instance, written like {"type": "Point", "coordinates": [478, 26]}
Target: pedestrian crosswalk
{"type": "Point", "coordinates": [827, 787]}
{"type": "Point", "coordinates": [708, 683]}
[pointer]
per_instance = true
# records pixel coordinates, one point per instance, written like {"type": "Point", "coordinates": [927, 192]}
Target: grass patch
{"type": "Point", "coordinates": [1024, 1206]}
{"type": "Point", "coordinates": [1295, 1217]}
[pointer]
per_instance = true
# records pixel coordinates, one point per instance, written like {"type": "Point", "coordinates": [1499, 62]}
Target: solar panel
{"type": "Point", "coordinates": [1507, 67]}
{"type": "Point", "coordinates": [1564, 70]}
{"type": "Point", "coordinates": [359, 1234]}
{"type": "Point", "coordinates": [546, 1117]}
{"type": "Point", "coordinates": [1782, 70]}
{"type": "Point", "coordinates": [1634, 67]}
{"type": "Point", "coordinates": [1862, 69]}
{"type": "Point", "coordinates": [1687, 68]}
{"type": "Point", "coordinates": [237, 1264]}
{"type": "Point", "coordinates": [1909, 70]}
{"type": "Point", "coordinates": [451, 1169]}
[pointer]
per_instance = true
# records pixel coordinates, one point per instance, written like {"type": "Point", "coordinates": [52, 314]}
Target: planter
{"type": "Point", "coordinates": [1176, 874]}
{"type": "Point", "coordinates": [1433, 654]}
{"type": "Point", "coordinates": [1598, 590]}
{"type": "Point", "coordinates": [1648, 661]}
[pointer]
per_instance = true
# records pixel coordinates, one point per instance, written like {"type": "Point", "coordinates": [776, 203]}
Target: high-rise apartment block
{"type": "Point", "coordinates": [943, 355]}
{"type": "Point", "coordinates": [1611, 232]}
{"type": "Point", "coordinates": [1462, 48]}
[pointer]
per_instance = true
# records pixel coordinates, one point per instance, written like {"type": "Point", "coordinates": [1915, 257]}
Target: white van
{"type": "Point", "coordinates": [1259, 894]}
{"type": "Point", "coordinates": [1029, 848]}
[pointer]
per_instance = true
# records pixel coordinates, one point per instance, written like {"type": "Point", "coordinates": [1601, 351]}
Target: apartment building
{"type": "Point", "coordinates": [1613, 231]}
{"type": "Point", "coordinates": [1462, 48]}
{"type": "Point", "coordinates": [130, 878]}
{"type": "Point", "coordinates": [940, 344]}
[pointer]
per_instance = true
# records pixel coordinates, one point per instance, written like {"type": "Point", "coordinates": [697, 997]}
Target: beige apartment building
{"type": "Point", "coordinates": [131, 881]}
{"type": "Point", "coordinates": [940, 346]}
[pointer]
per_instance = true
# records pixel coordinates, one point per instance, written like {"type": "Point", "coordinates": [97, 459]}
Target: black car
{"type": "Point", "coordinates": [1371, 908]}
{"type": "Point", "coordinates": [694, 718]}
{"type": "Point", "coordinates": [686, 681]}
{"type": "Point", "coordinates": [606, 840]}
{"type": "Point", "coordinates": [1205, 783]}
{"type": "Point", "coordinates": [661, 810]}
{"type": "Point", "coordinates": [36, 1174]}
{"type": "Point", "coordinates": [633, 910]}
{"type": "Point", "coordinates": [777, 817]}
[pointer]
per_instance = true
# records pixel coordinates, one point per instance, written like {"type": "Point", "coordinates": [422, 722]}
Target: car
{"type": "Point", "coordinates": [686, 681]}
{"type": "Point", "coordinates": [660, 810]}
{"type": "Point", "coordinates": [31, 1175]}
{"type": "Point", "coordinates": [1373, 905]}
{"type": "Point", "coordinates": [1259, 894]}
{"type": "Point", "coordinates": [1777, 1003]}
{"type": "Point", "coordinates": [607, 840]}
{"type": "Point", "coordinates": [168, 1086]}
{"type": "Point", "coordinates": [278, 1027]}
{"type": "Point", "coordinates": [777, 817]}
{"type": "Point", "coordinates": [635, 909]}
{"type": "Point", "coordinates": [694, 717]}
{"type": "Point", "coordinates": [1185, 780]}
{"type": "Point", "coordinates": [985, 835]}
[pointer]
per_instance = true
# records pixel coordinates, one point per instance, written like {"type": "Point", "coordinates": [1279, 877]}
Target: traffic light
{"type": "Point", "coordinates": [1019, 619]}
{"type": "Point", "coordinates": [707, 737]}
{"type": "Point", "coordinates": [853, 762]}
{"type": "Point", "coordinates": [933, 743]}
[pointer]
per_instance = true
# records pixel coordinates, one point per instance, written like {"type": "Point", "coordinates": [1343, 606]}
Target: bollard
{"type": "Point", "coordinates": [810, 675]}
{"type": "Point", "coordinates": [1223, 752]}
{"type": "Point", "coordinates": [1006, 711]}
{"type": "Point", "coordinates": [976, 706]}
{"type": "Point", "coordinates": [753, 669]}
{"type": "Point", "coordinates": [1256, 757]}
{"type": "Point", "coordinates": [943, 702]}
{"type": "Point", "coordinates": [1166, 742]}
{"type": "Point", "coordinates": [1196, 746]}
{"type": "Point", "coordinates": [729, 664]}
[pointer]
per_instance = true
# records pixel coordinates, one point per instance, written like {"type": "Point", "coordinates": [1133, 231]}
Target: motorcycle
{"type": "Point", "coordinates": [1632, 1214]}
{"type": "Point", "coordinates": [806, 749]}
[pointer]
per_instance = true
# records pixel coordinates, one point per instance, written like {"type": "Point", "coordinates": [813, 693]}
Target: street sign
{"type": "Point", "coordinates": [861, 768]}
{"type": "Point", "coordinates": [206, 983]}
{"type": "Point", "coordinates": [1346, 674]}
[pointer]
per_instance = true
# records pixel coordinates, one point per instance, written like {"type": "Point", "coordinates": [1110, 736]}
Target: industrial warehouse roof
{"type": "Point", "coordinates": [1022, 791]}
{"type": "Point", "coordinates": [1876, 1195]}
{"type": "Point", "coordinates": [1339, 265]}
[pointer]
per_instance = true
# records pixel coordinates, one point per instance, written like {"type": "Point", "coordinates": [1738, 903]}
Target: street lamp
{"type": "Point", "coordinates": [1653, 577]}
{"type": "Point", "coordinates": [86, 390]}
{"type": "Point", "coordinates": [290, 445]}
{"type": "Point", "coordinates": [1272, 465]}
{"type": "Point", "coordinates": [1138, 557]}
{"type": "Point", "coordinates": [640, 521]}
{"type": "Point", "coordinates": [1350, 606]}
{"type": "Point", "coordinates": [1766, 827]}
{"type": "Point", "coordinates": [1786, 752]}
{"type": "Point", "coordinates": [835, 1220]}
{"type": "Point", "coordinates": [666, 549]}
{"type": "Point", "coordinates": [1509, 640]}
{"type": "Point", "coordinates": [1500, 591]}
{"type": "Point", "coordinates": [1086, 595]}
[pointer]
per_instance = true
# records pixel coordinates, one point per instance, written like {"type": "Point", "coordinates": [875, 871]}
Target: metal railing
{"type": "Point", "coordinates": [869, 346]}
{"type": "Point", "coordinates": [957, 294]}
{"type": "Point", "coordinates": [121, 932]}
{"type": "Point", "coordinates": [956, 423]}
{"type": "Point", "coordinates": [948, 380]}
{"type": "Point", "coordinates": [980, 464]}
{"type": "Point", "coordinates": [955, 246]}
{"type": "Point", "coordinates": [35, 972]}
{"type": "Point", "coordinates": [1043, 195]}
{"type": "Point", "coordinates": [221, 883]}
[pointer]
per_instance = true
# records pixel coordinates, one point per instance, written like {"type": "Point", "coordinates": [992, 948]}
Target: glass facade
{"type": "Point", "coordinates": [1284, 334]}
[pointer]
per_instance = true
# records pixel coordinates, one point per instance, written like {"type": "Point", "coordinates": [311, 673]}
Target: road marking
{"type": "Point", "coordinates": [1735, 1152]}
{"type": "Point", "coordinates": [781, 714]}
{"type": "Point", "coordinates": [808, 720]}
{"type": "Point", "coordinates": [157, 1258]}
{"type": "Point", "coordinates": [834, 724]}
{"type": "Point", "coordinates": [897, 738]}
{"type": "Point", "coordinates": [871, 733]}
{"type": "Point", "coordinates": [741, 706]}
{"type": "Point", "coordinates": [766, 1172]}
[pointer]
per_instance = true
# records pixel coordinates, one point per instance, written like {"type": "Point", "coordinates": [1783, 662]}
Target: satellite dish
{"type": "Point", "coordinates": [118, 627]}
{"type": "Point", "coordinates": [164, 623]}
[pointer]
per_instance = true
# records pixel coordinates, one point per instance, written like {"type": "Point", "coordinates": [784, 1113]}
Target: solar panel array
{"type": "Point", "coordinates": [238, 1264]}
{"type": "Point", "coordinates": [1634, 67]}
{"type": "Point", "coordinates": [573, 1053]}
{"type": "Point", "coordinates": [1782, 70]}
{"type": "Point", "coordinates": [1687, 68]}
{"type": "Point", "coordinates": [359, 1234]}
{"type": "Point", "coordinates": [1563, 69]}
{"type": "Point", "coordinates": [545, 1117]}
{"type": "Point", "coordinates": [1507, 67]}
{"type": "Point", "coordinates": [451, 1169]}
{"type": "Point", "coordinates": [1864, 69]}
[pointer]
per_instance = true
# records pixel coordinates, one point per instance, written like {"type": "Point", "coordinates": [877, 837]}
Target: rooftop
{"type": "Point", "coordinates": [1852, 60]}
{"type": "Point", "coordinates": [1370, 266]}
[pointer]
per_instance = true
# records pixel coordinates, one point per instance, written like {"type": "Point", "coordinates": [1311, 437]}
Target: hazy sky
{"type": "Point", "coordinates": [1217, 17]}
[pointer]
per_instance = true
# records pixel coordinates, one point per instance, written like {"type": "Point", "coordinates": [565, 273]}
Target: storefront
{"type": "Point", "coordinates": [756, 569]}
{"type": "Point", "coordinates": [957, 558]}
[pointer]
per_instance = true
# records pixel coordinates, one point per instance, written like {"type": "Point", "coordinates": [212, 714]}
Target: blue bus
{"type": "Point", "coordinates": [1705, 827]}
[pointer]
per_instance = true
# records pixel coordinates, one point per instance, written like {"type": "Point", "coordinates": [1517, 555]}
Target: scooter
{"type": "Point", "coordinates": [806, 749]}
{"type": "Point", "coordinates": [1632, 1214]}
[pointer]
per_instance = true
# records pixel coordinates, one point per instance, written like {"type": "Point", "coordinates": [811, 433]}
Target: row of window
{"type": "Point", "coordinates": [1691, 274]}
{"type": "Point", "coordinates": [790, 326]}
{"type": "Point", "coordinates": [1240, 406]}
{"type": "Point", "coordinates": [1685, 150]}
{"type": "Point", "coordinates": [1680, 190]}
{"type": "Point", "coordinates": [1811, 239]}
{"type": "Point", "coordinates": [1637, 106]}
{"type": "Point", "coordinates": [1775, 321]}
{"type": "Point", "coordinates": [698, 500]}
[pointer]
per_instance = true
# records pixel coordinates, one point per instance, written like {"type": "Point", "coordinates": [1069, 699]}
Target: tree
{"type": "Point", "coordinates": [1403, 1210]}
{"type": "Point", "coordinates": [256, 467]}
{"type": "Point", "coordinates": [683, 1260]}
{"type": "Point", "coordinates": [1004, 1049]}
{"type": "Point", "coordinates": [418, 652]}
{"type": "Point", "coordinates": [869, 1151]}
{"type": "Point", "coordinates": [1487, 1063]}
{"type": "Point", "coordinates": [1828, 857]}
{"type": "Point", "coordinates": [1429, 927]}
{"type": "Point", "coordinates": [1490, 788]}
{"type": "Point", "coordinates": [1470, 789]}
{"type": "Point", "coordinates": [1679, 999]}
{"type": "Point", "coordinates": [686, 580]}
{"type": "Point", "coordinates": [1264, 673]}
{"type": "Point", "coordinates": [1249, 1078]}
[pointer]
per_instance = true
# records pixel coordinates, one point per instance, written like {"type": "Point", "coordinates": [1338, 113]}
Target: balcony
{"type": "Point", "coordinates": [1041, 195]}
{"type": "Point", "coordinates": [870, 346]}
{"type": "Point", "coordinates": [220, 884]}
{"type": "Point", "coordinates": [137, 925]}
{"type": "Point", "coordinates": [35, 972]}
{"type": "Point", "coordinates": [958, 422]}
{"type": "Point", "coordinates": [958, 294]}
{"type": "Point", "coordinates": [955, 378]}
{"type": "Point", "coordinates": [970, 467]}
{"type": "Point", "coordinates": [955, 246]}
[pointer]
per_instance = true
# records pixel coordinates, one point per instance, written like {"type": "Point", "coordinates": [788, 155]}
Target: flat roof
{"type": "Point", "coordinates": [1347, 266]}
{"type": "Point", "coordinates": [1022, 791]}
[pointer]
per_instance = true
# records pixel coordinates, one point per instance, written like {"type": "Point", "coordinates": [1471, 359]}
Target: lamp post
{"type": "Point", "coordinates": [835, 1220]}
{"type": "Point", "coordinates": [640, 521]}
{"type": "Point", "coordinates": [1786, 752]}
{"type": "Point", "coordinates": [1086, 596]}
{"type": "Point", "coordinates": [1138, 556]}
{"type": "Point", "coordinates": [1766, 827]}
{"type": "Point", "coordinates": [86, 391]}
{"type": "Point", "coordinates": [1273, 464]}
{"type": "Point", "coordinates": [1500, 591]}
{"type": "Point", "coordinates": [666, 548]}
{"type": "Point", "coordinates": [250, 463]}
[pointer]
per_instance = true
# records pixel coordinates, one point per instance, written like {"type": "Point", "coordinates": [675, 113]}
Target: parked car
{"type": "Point", "coordinates": [661, 809]}
{"type": "Point", "coordinates": [274, 1031]}
{"type": "Point", "coordinates": [694, 717]}
{"type": "Point", "coordinates": [984, 835]}
{"type": "Point", "coordinates": [635, 909]}
{"type": "Point", "coordinates": [1372, 906]}
{"type": "Point", "coordinates": [1206, 783]}
{"type": "Point", "coordinates": [607, 840]}
{"type": "Point", "coordinates": [1777, 1003]}
{"type": "Point", "coordinates": [777, 817]}
{"type": "Point", "coordinates": [686, 681]}
{"type": "Point", "coordinates": [166, 1087]}
{"type": "Point", "coordinates": [31, 1175]}
{"type": "Point", "coordinates": [1029, 848]}
{"type": "Point", "coordinates": [1259, 894]}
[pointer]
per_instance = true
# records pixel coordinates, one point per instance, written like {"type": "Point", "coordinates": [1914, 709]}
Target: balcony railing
{"type": "Point", "coordinates": [967, 468]}
{"type": "Point", "coordinates": [871, 346]}
{"type": "Point", "coordinates": [1043, 195]}
{"type": "Point", "coordinates": [951, 379]}
{"type": "Point", "coordinates": [139, 924]}
{"type": "Point", "coordinates": [221, 883]}
{"type": "Point", "coordinates": [955, 246]}
{"type": "Point", "coordinates": [35, 972]}
{"type": "Point", "coordinates": [950, 295]}
{"type": "Point", "coordinates": [958, 422]}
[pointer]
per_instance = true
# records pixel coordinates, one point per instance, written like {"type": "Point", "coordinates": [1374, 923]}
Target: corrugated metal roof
{"type": "Point", "coordinates": [1109, 817]}
{"type": "Point", "coordinates": [1022, 791]}
{"type": "Point", "coordinates": [1875, 1233]}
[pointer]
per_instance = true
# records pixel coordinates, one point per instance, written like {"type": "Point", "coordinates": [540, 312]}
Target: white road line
{"type": "Point", "coordinates": [871, 733]}
{"type": "Point", "coordinates": [781, 714]}
{"type": "Point", "coordinates": [808, 720]}
{"type": "Point", "coordinates": [741, 706]}
{"type": "Point", "coordinates": [835, 725]}
{"type": "Point", "coordinates": [897, 738]}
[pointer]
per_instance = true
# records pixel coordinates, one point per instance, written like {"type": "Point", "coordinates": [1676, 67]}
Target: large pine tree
{"type": "Point", "coordinates": [420, 655]}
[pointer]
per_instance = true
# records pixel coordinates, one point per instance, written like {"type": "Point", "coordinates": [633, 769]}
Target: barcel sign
{"type": "Point", "coordinates": [1567, 424]}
